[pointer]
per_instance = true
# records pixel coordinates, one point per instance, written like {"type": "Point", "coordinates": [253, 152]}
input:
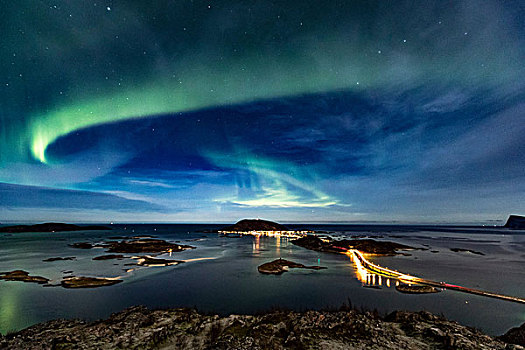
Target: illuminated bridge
{"type": "Point", "coordinates": [363, 266]}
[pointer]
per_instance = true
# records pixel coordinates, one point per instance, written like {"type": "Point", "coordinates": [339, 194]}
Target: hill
{"type": "Point", "coordinates": [255, 225]}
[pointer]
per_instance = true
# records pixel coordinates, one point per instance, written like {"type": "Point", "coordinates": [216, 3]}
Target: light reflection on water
{"type": "Point", "coordinates": [8, 307]}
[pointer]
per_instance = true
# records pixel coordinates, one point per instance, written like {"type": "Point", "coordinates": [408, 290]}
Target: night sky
{"type": "Point", "coordinates": [206, 111]}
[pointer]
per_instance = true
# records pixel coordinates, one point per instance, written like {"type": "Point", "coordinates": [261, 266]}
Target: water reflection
{"type": "Point", "coordinates": [256, 244]}
{"type": "Point", "coordinates": [371, 279]}
{"type": "Point", "coordinates": [367, 278]}
{"type": "Point", "coordinates": [264, 242]}
{"type": "Point", "coordinates": [8, 308]}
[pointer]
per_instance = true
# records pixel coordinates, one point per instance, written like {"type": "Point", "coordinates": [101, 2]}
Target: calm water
{"type": "Point", "coordinates": [221, 274]}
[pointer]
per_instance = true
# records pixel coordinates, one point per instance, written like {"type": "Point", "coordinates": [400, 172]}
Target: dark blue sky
{"type": "Point", "coordinates": [308, 111]}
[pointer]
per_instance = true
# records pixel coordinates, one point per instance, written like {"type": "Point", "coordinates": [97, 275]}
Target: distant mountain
{"type": "Point", "coordinates": [50, 227]}
{"type": "Point", "coordinates": [516, 222]}
{"type": "Point", "coordinates": [255, 225]}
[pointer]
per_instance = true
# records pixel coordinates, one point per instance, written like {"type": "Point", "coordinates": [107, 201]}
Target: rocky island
{"type": "Point", "coordinates": [416, 289]}
{"type": "Point", "coordinates": [135, 246]}
{"type": "Point", "coordinates": [88, 282]}
{"type": "Point", "coordinates": [141, 328]}
{"type": "Point", "coordinates": [515, 222]}
{"type": "Point", "coordinates": [22, 276]}
{"type": "Point", "coordinates": [369, 246]}
{"type": "Point", "coordinates": [248, 225]}
{"type": "Point", "coordinates": [50, 227]}
{"type": "Point", "coordinates": [279, 266]}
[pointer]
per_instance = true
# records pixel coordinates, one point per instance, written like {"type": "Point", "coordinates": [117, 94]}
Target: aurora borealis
{"type": "Point", "coordinates": [301, 111]}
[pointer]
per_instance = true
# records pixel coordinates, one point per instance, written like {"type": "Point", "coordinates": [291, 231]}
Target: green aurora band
{"type": "Point", "coordinates": [192, 59]}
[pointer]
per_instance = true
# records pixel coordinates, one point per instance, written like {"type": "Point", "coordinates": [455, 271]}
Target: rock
{"type": "Point", "coordinates": [279, 266]}
{"type": "Point", "coordinates": [135, 246]}
{"type": "Point", "coordinates": [416, 289]}
{"type": "Point", "coordinates": [22, 276]}
{"type": "Point", "coordinates": [82, 245]}
{"type": "Point", "coordinates": [459, 250]}
{"type": "Point", "coordinates": [50, 227]}
{"type": "Point", "coordinates": [59, 259]}
{"type": "Point", "coordinates": [150, 261]}
{"type": "Point", "coordinates": [515, 222]}
{"type": "Point", "coordinates": [141, 328]}
{"type": "Point", "coordinates": [108, 257]}
{"type": "Point", "coordinates": [364, 245]}
{"type": "Point", "coordinates": [247, 225]}
{"type": "Point", "coordinates": [515, 336]}
{"type": "Point", "coordinates": [145, 246]}
{"type": "Point", "coordinates": [88, 282]}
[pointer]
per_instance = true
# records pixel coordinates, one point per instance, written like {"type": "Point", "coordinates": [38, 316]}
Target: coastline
{"type": "Point", "coordinates": [139, 327]}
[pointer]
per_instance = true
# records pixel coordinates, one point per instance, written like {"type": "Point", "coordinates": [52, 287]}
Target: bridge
{"type": "Point", "coordinates": [363, 263]}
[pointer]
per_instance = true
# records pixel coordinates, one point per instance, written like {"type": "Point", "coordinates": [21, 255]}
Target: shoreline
{"type": "Point", "coordinates": [347, 327]}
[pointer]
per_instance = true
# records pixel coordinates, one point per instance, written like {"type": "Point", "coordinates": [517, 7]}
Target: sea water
{"type": "Point", "coordinates": [221, 276]}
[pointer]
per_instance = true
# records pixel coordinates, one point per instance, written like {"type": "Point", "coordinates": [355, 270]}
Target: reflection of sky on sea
{"type": "Point", "coordinates": [8, 306]}
{"type": "Point", "coordinates": [221, 276]}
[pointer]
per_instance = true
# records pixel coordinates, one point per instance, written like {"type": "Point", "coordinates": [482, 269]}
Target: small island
{"type": "Point", "coordinates": [462, 250]}
{"type": "Point", "coordinates": [50, 227]}
{"type": "Point", "coordinates": [279, 266]}
{"type": "Point", "coordinates": [145, 245]}
{"type": "Point", "coordinates": [135, 246]}
{"type": "Point", "coordinates": [22, 276]}
{"type": "Point", "coordinates": [248, 225]}
{"type": "Point", "coordinates": [368, 246]}
{"type": "Point", "coordinates": [59, 259]}
{"type": "Point", "coordinates": [151, 261]}
{"type": "Point", "coordinates": [88, 282]}
{"type": "Point", "coordinates": [258, 227]}
{"type": "Point", "coordinates": [109, 257]}
{"type": "Point", "coordinates": [515, 222]}
{"type": "Point", "coordinates": [416, 289]}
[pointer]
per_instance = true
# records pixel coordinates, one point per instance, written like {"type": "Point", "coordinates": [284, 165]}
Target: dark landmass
{"type": "Point", "coordinates": [145, 245]}
{"type": "Point", "coordinates": [50, 227]}
{"type": "Point", "coordinates": [515, 222]}
{"type": "Point", "coordinates": [279, 266]}
{"type": "Point", "coordinates": [459, 250]}
{"type": "Point", "coordinates": [135, 246]}
{"type": "Point", "coordinates": [82, 245]}
{"type": "Point", "coordinates": [229, 235]}
{"type": "Point", "coordinates": [515, 336]}
{"type": "Point", "coordinates": [149, 261]}
{"type": "Point", "coordinates": [369, 246]}
{"type": "Point", "coordinates": [109, 256]}
{"type": "Point", "coordinates": [140, 328]}
{"type": "Point", "coordinates": [255, 225]}
{"type": "Point", "coordinates": [87, 282]}
{"type": "Point", "coordinates": [416, 289]}
{"type": "Point", "coordinates": [59, 259]}
{"type": "Point", "coordinates": [22, 276]}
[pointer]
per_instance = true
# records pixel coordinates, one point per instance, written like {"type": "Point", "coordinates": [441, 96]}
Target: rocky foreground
{"type": "Point", "coordinates": [140, 328]}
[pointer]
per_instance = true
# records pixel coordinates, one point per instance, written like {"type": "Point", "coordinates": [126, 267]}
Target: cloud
{"type": "Point", "coordinates": [17, 196]}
